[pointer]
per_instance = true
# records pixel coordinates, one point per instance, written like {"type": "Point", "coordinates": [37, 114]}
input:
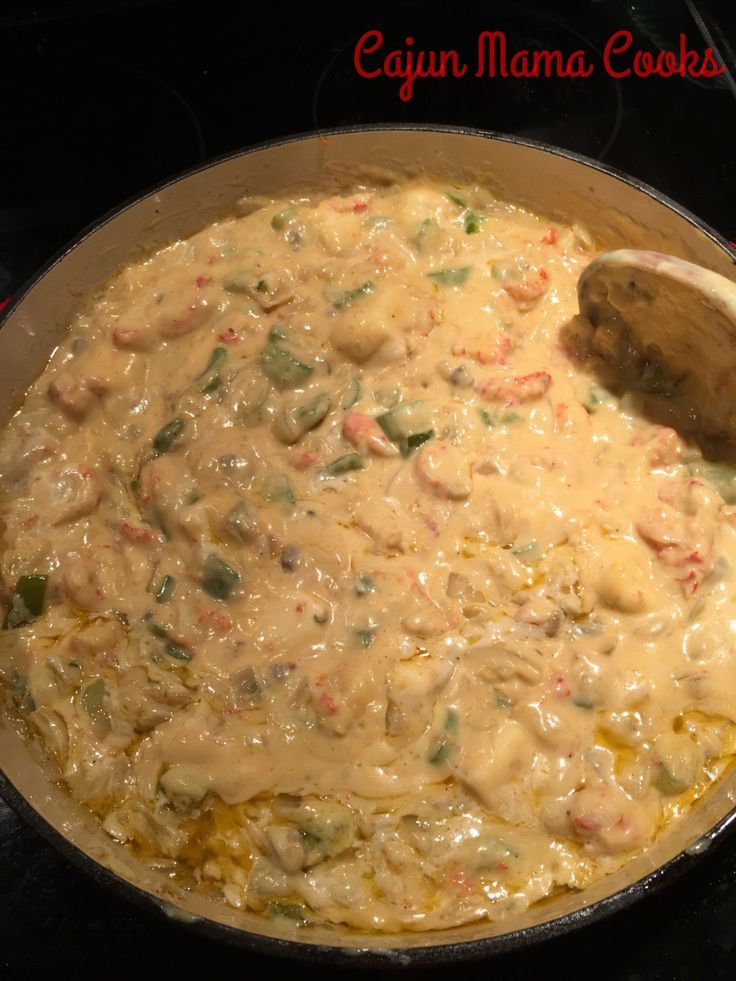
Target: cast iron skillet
{"type": "Point", "coordinates": [620, 211]}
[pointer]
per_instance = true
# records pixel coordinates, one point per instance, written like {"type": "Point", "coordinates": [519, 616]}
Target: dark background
{"type": "Point", "coordinates": [100, 101]}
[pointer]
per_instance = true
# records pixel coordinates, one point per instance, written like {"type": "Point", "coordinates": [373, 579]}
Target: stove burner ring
{"type": "Point", "coordinates": [583, 114]}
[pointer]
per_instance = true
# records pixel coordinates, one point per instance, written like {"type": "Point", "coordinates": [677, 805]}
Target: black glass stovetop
{"type": "Point", "coordinates": [100, 101]}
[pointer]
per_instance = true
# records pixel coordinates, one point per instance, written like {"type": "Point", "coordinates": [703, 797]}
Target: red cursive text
{"type": "Point", "coordinates": [408, 65]}
{"type": "Point", "coordinates": [494, 59]}
{"type": "Point", "coordinates": [663, 63]}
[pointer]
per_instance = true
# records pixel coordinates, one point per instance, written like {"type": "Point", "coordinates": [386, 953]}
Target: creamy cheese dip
{"type": "Point", "coordinates": [337, 584]}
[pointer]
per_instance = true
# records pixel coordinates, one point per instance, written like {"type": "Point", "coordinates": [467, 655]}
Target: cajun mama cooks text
{"type": "Point", "coordinates": [494, 57]}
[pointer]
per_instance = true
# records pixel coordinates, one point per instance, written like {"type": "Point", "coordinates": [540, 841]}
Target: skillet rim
{"type": "Point", "coordinates": [425, 956]}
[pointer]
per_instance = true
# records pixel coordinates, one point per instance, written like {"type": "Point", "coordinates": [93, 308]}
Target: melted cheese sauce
{"type": "Point", "coordinates": [365, 602]}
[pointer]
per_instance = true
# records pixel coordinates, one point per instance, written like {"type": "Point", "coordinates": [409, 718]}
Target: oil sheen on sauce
{"type": "Point", "coordinates": [336, 582]}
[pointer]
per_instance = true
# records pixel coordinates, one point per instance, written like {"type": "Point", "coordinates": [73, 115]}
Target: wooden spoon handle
{"type": "Point", "coordinates": [680, 318]}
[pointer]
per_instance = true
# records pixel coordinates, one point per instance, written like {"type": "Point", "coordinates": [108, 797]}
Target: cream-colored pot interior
{"type": "Point", "coordinates": [618, 213]}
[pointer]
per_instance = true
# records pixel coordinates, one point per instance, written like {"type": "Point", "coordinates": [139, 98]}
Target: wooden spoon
{"type": "Point", "coordinates": [671, 325]}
